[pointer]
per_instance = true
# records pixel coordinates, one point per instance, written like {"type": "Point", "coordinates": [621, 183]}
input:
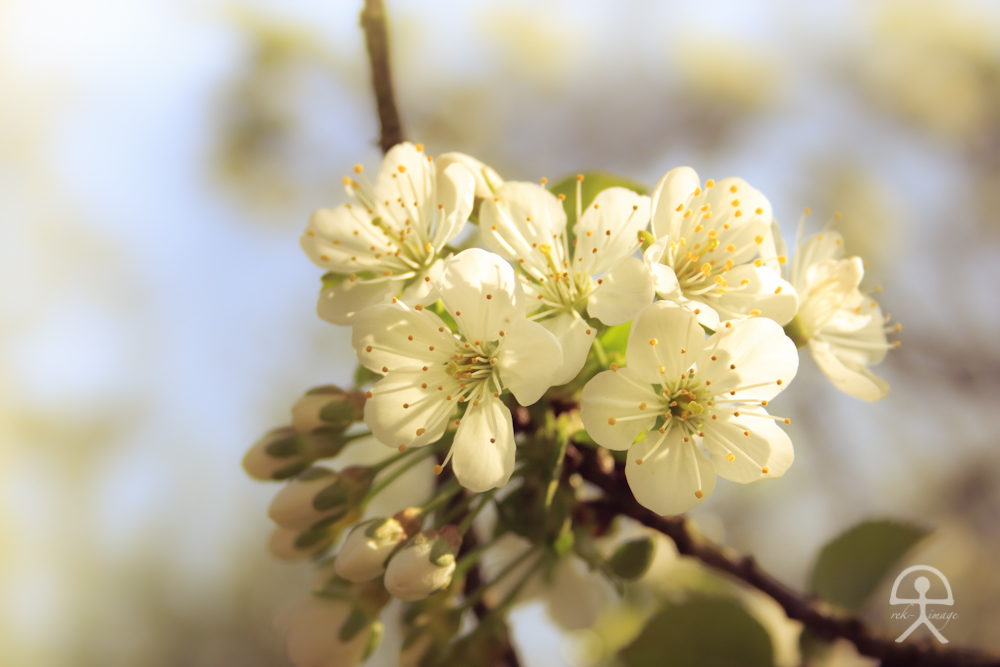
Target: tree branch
{"type": "Point", "coordinates": [376, 41]}
{"type": "Point", "coordinates": [812, 612]}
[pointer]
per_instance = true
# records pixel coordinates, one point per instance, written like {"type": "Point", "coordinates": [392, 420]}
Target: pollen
{"type": "Point", "coordinates": [611, 421]}
{"type": "Point", "coordinates": [579, 177]}
{"type": "Point", "coordinates": [777, 290]}
{"type": "Point", "coordinates": [402, 169]}
{"type": "Point", "coordinates": [438, 470]}
{"type": "Point", "coordinates": [698, 494]}
{"type": "Point", "coordinates": [418, 307]}
{"type": "Point", "coordinates": [402, 448]}
{"type": "Point", "coordinates": [730, 248]}
{"type": "Point", "coordinates": [680, 207]}
{"type": "Point", "coordinates": [710, 183]}
{"type": "Point", "coordinates": [368, 394]}
{"type": "Point", "coordinates": [755, 312]}
{"type": "Point", "coordinates": [782, 259]}
{"type": "Point", "coordinates": [735, 203]}
{"type": "Point", "coordinates": [653, 342]}
{"type": "Point", "coordinates": [358, 169]}
{"type": "Point", "coordinates": [638, 462]}
{"type": "Point", "coordinates": [765, 470]}
{"type": "Point", "coordinates": [758, 239]}
{"type": "Point", "coordinates": [808, 211]}
{"type": "Point", "coordinates": [489, 296]}
{"type": "Point", "coordinates": [614, 367]}
{"type": "Point", "coordinates": [562, 197]}
{"type": "Point", "coordinates": [544, 180]}
{"type": "Point", "coordinates": [730, 457]}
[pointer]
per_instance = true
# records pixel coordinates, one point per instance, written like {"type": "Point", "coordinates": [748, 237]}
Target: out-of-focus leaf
{"type": "Point", "coordinates": [633, 558]}
{"type": "Point", "coordinates": [593, 183]}
{"type": "Point", "coordinates": [850, 566]}
{"type": "Point", "coordinates": [701, 632]}
{"type": "Point", "coordinates": [364, 377]}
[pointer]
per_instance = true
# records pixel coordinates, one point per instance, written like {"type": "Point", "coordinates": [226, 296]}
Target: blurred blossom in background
{"type": "Point", "coordinates": [158, 161]}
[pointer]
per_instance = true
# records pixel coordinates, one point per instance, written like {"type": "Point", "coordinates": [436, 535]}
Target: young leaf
{"type": "Point", "coordinates": [850, 566]}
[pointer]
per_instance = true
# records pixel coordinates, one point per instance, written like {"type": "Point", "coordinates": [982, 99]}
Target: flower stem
{"type": "Point", "coordinates": [510, 567]}
{"type": "Point", "coordinates": [471, 516]}
{"type": "Point", "coordinates": [602, 357]}
{"type": "Point", "coordinates": [398, 472]}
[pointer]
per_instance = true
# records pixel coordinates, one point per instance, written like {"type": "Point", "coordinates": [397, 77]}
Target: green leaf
{"type": "Point", "coordinates": [633, 558]}
{"type": "Point", "coordinates": [593, 183]}
{"type": "Point", "coordinates": [363, 376]}
{"type": "Point", "coordinates": [852, 565]}
{"type": "Point", "coordinates": [701, 632]}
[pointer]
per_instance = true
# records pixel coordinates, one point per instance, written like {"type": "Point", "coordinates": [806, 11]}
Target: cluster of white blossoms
{"type": "Point", "coordinates": [458, 338]}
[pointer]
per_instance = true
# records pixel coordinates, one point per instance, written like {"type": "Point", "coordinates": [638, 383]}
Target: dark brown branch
{"type": "Point", "coordinates": [373, 24]}
{"type": "Point", "coordinates": [812, 612]}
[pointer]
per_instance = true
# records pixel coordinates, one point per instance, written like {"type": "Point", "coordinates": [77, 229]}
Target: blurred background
{"type": "Point", "coordinates": [159, 159]}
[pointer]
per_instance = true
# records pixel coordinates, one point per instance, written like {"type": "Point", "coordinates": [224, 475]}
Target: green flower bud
{"type": "Point", "coordinates": [327, 409]}
{"type": "Point", "coordinates": [278, 455]}
{"type": "Point", "coordinates": [293, 506]}
{"type": "Point", "coordinates": [293, 545]}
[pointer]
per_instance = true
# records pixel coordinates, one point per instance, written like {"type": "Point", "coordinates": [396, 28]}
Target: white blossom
{"type": "Point", "coordinates": [368, 546]}
{"type": "Point", "coordinates": [430, 371]}
{"type": "Point", "coordinates": [388, 241]}
{"type": "Point", "coordinates": [322, 632]}
{"type": "Point", "coordinates": [703, 257]}
{"type": "Point", "coordinates": [685, 393]}
{"type": "Point", "coordinates": [423, 566]}
{"type": "Point", "coordinates": [843, 327]}
{"type": "Point", "coordinates": [526, 224]}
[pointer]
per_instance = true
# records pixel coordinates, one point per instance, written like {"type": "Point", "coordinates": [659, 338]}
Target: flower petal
{"type": "Point", "coordinates": [518, 220]}
{"type": "Point", "coordinates": [529, 359]}
{"type": "Point", "coordinates": [624, 291]}
{"type": "Point", "coordinates": [609, 408]}
{"type": "Point", "coordinates": [575, 337]}
{"type": "Point", "coordinates": [420, 290]}
{"type": "Point", "coordinates": [816, 249]}
{"type": "Point", "coordinates": [487, 180]}
{"type": "Point", "coordinates": [664, 279]}
{"type": "Point", "coordinates": [343, 240]}
{"type": "Point", "coordinates": [750, 352]}
{"type": "Point", "coordinates": [672, 191]}
{"type": "Point", "coordinates": [659, 333]}
{"type": "Point", "coordinates": [848, 375]}
{"type": "Point", "coordinates": [606, 232]}
{"type": "Point", "coordinates": [392, 336]}
{"type": "Point", "coordinates": [482, 293]}
{"type": "Point", "coordinates": [455, 192]}
{"type": "Point", "coordinates": [765, 290]}
{"type": "Point", "coordinates": [767, 447]}
{"type": "Point", "coordinates": [483, 451]}
{"type": "Point", "coordinates": [427, 414]}
{"type": "Point", "coordinates": [339, 304]}
{"type": "Point", "coordinates": [676, 478]}
{"type": "Point", "coordinates": [405, 174]}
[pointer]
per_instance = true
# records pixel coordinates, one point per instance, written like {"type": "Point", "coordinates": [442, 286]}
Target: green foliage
{"type": "Point", "coordinates": [851, 565]}
{"type": "Point", "coordinates": [593, 183]}
{"type": "Point", "coordinates": [632, 559]}
{"type": "Point", "coordinates": [701, 632]}
{"type": "Point", "coordinates": [364, 377]}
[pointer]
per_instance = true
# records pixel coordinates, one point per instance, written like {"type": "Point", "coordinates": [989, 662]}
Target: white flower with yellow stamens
{"type": "Point", "coordinates": [431, 371]}
{"type": "Point", "coordinates": [704, 254]}
{"type": "Point", "coordinates": [687, 393]}
{"type": "Point", "coordinates": [526, 224]}
{"type": "Point", "coordinates": [388, 241]}
{"type": "Point", "coordinates": [843, 327]}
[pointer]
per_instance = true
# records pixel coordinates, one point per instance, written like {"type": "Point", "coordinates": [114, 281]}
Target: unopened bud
{"type": "Point", "coordinates": [293, 507]}
{"type": "Point", "coordinates": [328, 632]}
{"type": "Point", "coordinates": [328, 408]}
{"type": "Point", "coordinates": [487, 180]}
{"type": "Point", "coordinates": [346, 492]}
{"type": "Point", "coordinates": [424, 566]}
{"type": "Point", "coordinates": [366, 549]}
{"type": "Point", "coordinates": [427, 642]}
{"type": "Point", "coordinates": [278, 455]}
{"type": "Point", "coordinates": [294, 545]}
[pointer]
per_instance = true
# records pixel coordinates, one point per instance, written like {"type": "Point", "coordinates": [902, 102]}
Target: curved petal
{"type": "Point", "coordinates": [339, 304]}
{"type": "Point", "coordinates": [744, 458]}
{"type": "Point", "coordinates": [749, 353]}
{"type": "Point", "coordinates": [577, 594]}
{"type": "Point", "coordinates": [610, 408]}
{"type": "Point", "coordinates": [830, 288]}
{"type": "Point", "coordinates": [774, 246]}
{"type": "Point", "coordinates": [391, 337]}
{"type": "Point", "coordinates": [847, 375]}
{"type": "Point", "coordinates": [406, 174]}
{"type": "Point", "coordinates": [575, 337]}
{"type": "Point", "coordinates": [483, 452]}
{"type": "Point", "coordinates": [487, 180]}
{"type": "Point", "coordinates": [421, 290]}
{"type": "Point", "coordinates": [426, 416]}
{"type": "Point", "coordinates": [673, 190]}
{"type": "Point", "coordinates": [455, 193]}
{"type": "Point", "coordinates": [482, 293]}
{"type": "Point", "coordinates": [816, 249]}
{"type": "Point", "coordinates": [529, 359]}
{"type": "Point", "coordinates": [606, 232]}
{"type": "Point", "coordinates": [664, 279]}
{"type": "Point", "coordinates": [765, 290]}
{"type": "Point", "coordinates": [343, 240]}
{"type": "Point", "coordinates": [623, 292]}
{"type": "Point", "coordinates": [663, 335]}
{"type": "Point", "coordinates": [706, 314]}
{"type": "Point", "coordinates": [519, 219]}
{"type": "Point", "coordinates": [677, 477]}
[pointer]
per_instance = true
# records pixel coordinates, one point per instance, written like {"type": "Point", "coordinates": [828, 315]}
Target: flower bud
{"type": "Point", "coordinates": [369, 545]}
{"type": "Point", "coordinates": [293, 508]}
{"type": "Point", "coordinates": [328, 408]}
{"type": "Point", "coordinates": [428, 642]}
{"type": "Point", "coordinates": [278, 455]}
{"type": "Point", "coordinates": [294, 545]}
{"type": "Point", "coordinates": [487, 180]}
{"type": "Point", "coordinates": [424, 566]}
{"type": "Point", "coordinates": [328, 632]}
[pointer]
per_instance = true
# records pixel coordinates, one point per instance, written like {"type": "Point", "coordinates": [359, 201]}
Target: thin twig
{"type": "Point", "coordinates": [373, 24]}
{"type": "Point", "coordinates": [812, 612]}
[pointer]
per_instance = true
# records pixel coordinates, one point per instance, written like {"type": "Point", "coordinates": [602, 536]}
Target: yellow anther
{"type": "Point", "coordinates": [758, 240]}
{"type": "Point", "coordinates": [755, 312]}
{"type": "Point", "coordinates": [698, 229]}
{"type": "Point", "coordinates": [758, 210]}
{"type": "Point", "coordinates": [744, 282]}
{"type": "Point", "coordinates": [544, 180]}
{"type": "Point", "coordinates": [402, 169]}
{"type": "Point", "coordinates": [698, 494]}
{"type": "Point", "coordinates": [735, 203]}
{"type": "Point", "coordinates": [710, 183]}
{"type": "Point", "coordinates": [782, 259]}
{"type": "Point", "coordinates": [653, 341]}
{"type": "Point", "coordinates": [358, 169]}
{"type": "Point", "coordinates": [347, 180]}
{"type": "Point", "coordinates": [808, 210]}
{"type": "Point", "coordinates": [612, 421]}
{"type": "Point", "coordinates": [579, 177]}
{"type": "Point", "coordinates": [730, 248]}
{"type": "Point", "coordinates": [545, 248]}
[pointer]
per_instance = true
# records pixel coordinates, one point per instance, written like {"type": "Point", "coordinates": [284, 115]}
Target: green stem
{"type": "Point", "coordinates": [398, 472]}
{"type": "Point", "coordinates": [511, 597]}
{"type": "Point", "coordinates": [510, 567]}
{"type": "Point", "coordinates": [467, 521]}
{"type": "Point", "coordinates": [441, 498]}
{"type": "Point", "coordinates": [602, 357]}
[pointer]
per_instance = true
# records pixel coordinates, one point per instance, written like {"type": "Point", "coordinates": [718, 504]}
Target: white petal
{"type": "Point", "coordinates": [575, 337]}
{"type": "Point", "coordinates": [848, 375]}
{"type": "Point", "coordinates": [577, 594]}
{"type": "Point", "coordinates": [672, 191]}
{"type": "Point", "coordinates": [610, 404]}
{"type": "Point", "coordinates": [487, 180]}
{"type": "Point", "coordinates": [482, 293]}
{"type": "Point", "coordinates": [664, 279]}
{"type": "Point", "coordinates": [519, 220]}
{"type": "Point", "coordinates": [816, 249]}
{"type": "Point", "coordinates": [339, 304]}
{"type": "Point", "coordinates": [393, 337]}
{"type": "Point", "coordinates": [425, 419]}
{"type": "Point", "coordinates": [483, 452]}
{"type": "Point", "coordinates": [744, 228]}
{"type": "Point", "coordinates": [455, 192]}
{"type": "Point", "coordinates": [421, 291]}
{"type": "Point", "coordinates": [659, 332]}
{"type": "Point", "coordinates": [774, 246]}
{"type": "Point", "coordinates": [765, 291]}
{"type": "Point", "coordinates": [761, 353]}
{"type": "Point", "coordinates": [623, 292]}
{"type": "Point", "coordinates": [767, 446]}
{"type": "Point", "coordinates": [857, 331]}
{"type": "Point", "coordinates": [609, 226]}
{"type": "Point", "coordinates": [669, 481]}
{"type": "Point", "coordinates": [415, 183]}
{"type": "Point", "coordinates": [528, 360]}
{"type": "Point", "coordinates": [342, 239]}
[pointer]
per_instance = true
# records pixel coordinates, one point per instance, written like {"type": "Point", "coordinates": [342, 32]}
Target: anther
{"type": "Point", "coordinates": [698, 494]}
{"type": "Point", "coordinates": [653, 341]}
{"type": "Point", "coordinates": [368, 394]}
{"type": "Point", "coordinates": [611, 421]}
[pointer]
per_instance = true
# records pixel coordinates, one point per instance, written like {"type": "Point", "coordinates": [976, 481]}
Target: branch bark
{"type": "Point", "coordinates": [812, 612]}
{"type": "Point", "coordinates": [373, 23]}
